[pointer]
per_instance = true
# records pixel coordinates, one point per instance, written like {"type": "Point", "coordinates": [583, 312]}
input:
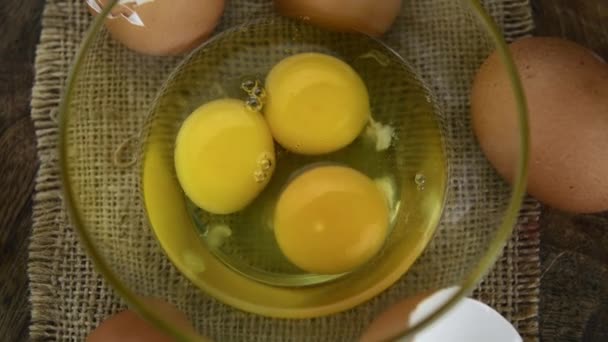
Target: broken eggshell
{"type": "Point", "coordinates": [468, 320]}
{"type": "Point", "coordinates": [156, 27]}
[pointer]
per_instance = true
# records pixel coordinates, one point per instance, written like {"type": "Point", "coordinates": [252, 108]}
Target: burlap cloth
{"type": "Point", "coordinates": [69, 298]}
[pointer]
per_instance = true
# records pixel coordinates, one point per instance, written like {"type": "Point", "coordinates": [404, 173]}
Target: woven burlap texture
{"type": "Point", "coordinates": [69, 298]}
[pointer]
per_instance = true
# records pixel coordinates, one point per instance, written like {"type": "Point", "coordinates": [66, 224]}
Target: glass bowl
{"type": "Point", "coordinates": [119, 119]}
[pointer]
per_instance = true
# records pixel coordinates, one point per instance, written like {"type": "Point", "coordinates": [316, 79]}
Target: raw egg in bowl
{"type": "Point", "coordinates": [293, 177]}
{"type": "Point", "coordinates": [286, 169]}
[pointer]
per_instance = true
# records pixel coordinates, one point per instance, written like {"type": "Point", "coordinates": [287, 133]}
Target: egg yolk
{"type": "Point", "coordinates": [331, 219]}
{"type": "Point", "coordinates": [316, 103]}
{"type": "Point", "coordinates": [224, 156]}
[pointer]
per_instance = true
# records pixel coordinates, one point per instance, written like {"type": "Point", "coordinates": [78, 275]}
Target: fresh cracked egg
{"type": "Point", "coordinates": [316, 103]}
{"type": "Point", "coordinates": [224, 156]}
{"type": "Point", "coordinates": [331, 219]}
{"type": "Point", "coordinates": [160, 27]}
{"type": "Point", "coordinates": [264, 167]}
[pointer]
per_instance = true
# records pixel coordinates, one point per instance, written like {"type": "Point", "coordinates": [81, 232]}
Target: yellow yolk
{"type": "Point", "coordinates": [316, 103]}
{"type": "Point", "coordinates": [224, 156]}
{"type": "Point", "coordinates": [331, 219]}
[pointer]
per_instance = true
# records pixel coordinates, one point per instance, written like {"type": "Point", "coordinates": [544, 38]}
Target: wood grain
{"type": "Point", "coordinates": [574, 248]}
{"type": "Point", "coordinates": [584, 21]}
{"type": "Point", "coordinates": [574, 287]}
{"type": "Point", "coordinates": [19, 30]}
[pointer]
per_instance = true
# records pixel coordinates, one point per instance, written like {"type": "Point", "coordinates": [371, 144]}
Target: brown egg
{"type": "Point", "coordinates": [566, 86]}
{"type": "Point", "coordinates": [161, 27]}
{"type": "Point", "coordinates": [373, 17]}
{"type": "Point", "coordinates": [129, 326]}
{"type": "Point", "coordinates": [394, 321]}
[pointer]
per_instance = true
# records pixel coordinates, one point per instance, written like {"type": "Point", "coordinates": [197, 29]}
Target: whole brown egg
{"type": "Point", "coordinates": [566, 86]}
{"type": "Point", "coordinates": [373, 17]}
{"type": "Point", "coordinates": [129, 326]}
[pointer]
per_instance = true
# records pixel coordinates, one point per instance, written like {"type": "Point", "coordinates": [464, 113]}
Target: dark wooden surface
{"type": "Point", "coordinates": [574, 248]}
{"type": "Point", "coordinates": [19, 31]}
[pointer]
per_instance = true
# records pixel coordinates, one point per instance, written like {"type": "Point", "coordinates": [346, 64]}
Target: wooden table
{"type": "Point", "coordinates": [574, 248]}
